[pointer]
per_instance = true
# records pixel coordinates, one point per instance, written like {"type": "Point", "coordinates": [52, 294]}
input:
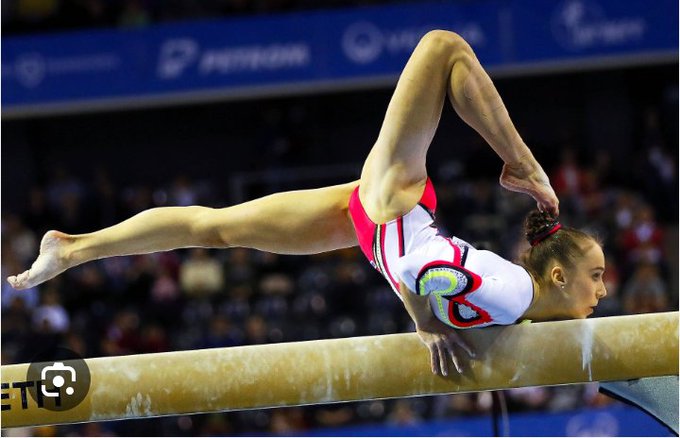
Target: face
{"type": "Point", "coordinates": [584, 285]}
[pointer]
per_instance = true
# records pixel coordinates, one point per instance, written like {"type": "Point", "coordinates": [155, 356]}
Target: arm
{"type": "Point", "coordinates": [438, 337]}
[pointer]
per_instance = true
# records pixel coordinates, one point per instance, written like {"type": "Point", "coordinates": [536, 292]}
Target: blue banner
{"type": "Point", "coordinates": [612, 421]}
{"type": "Point", "coordinates": [315, 50]}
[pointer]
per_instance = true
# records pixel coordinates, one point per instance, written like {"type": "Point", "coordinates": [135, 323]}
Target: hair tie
{"type": "Point", "coordinates": [545, 234]}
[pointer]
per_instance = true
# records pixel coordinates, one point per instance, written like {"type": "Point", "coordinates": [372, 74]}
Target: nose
{"type": "Point", "coordinates": [602, 293]}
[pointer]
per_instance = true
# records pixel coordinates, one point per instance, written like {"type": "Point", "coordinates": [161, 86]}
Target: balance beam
{"type": "Point", "coordinates": [363, 368]}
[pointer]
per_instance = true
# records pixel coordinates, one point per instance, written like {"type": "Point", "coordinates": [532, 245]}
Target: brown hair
{"type": "Point", "coordinates": [551, 242]}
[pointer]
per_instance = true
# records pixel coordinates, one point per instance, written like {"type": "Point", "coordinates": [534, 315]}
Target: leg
{"type": "Point", "coordinates": [301, 222]}
{"type": "Point", "coordinates": [394, 174]}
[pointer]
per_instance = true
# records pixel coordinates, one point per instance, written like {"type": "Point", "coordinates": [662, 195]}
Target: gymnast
{"type": "Point", "coordinates": [444, 283]}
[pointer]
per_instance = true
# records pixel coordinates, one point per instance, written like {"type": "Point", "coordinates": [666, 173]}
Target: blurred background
{"type": "Point", "coordinates": [110, 107]}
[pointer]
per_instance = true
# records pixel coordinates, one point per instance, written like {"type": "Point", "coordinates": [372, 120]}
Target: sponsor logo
{"type": "Point", "coordinates": [364, 42]}
{"type": "Point", "coordinates": [31, 69]}
{"type": "Point", "coordinates": [57, 380]}
{"type": "Point", "coordinates": [601, 424]}
{"type": "Point", "coordinates": [175, 56]}
{"type": "Point", "coordinates": [178, 55]}
{"type": "Point", "coordinates": [582, 24]}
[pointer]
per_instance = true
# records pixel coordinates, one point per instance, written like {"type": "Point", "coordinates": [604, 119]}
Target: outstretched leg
{"type": "Point", "coordinates": [299, 222]}
{"type": "Point", "coordinates": [394, 174]}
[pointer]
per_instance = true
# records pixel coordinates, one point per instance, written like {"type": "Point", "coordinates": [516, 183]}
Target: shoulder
{"type": "Point", "coordinates": [507, 293]}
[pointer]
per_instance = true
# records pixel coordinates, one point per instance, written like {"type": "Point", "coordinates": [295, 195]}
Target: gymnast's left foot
{"type": "Point", "coordinates": [52, 261]}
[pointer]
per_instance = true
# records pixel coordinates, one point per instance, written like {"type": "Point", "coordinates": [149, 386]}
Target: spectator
{"type": "Point", "coordinates": [38, 215]}
{"type": "Point", "coordinates": [200, 274]}
{"type": "Point", "coordinates": [569, 180]}
{"type": "Point", "coordinates": [643, 240]}
{"type": "Point", "coordinates": [403, 414]}
{"type": "Point", "coordinates": [287, 421]}
{"type": "Point", "coordinates": [528, 398]}
{"type": "Point", "coordinates": [28, 297]}
{"type": "Point", "coordinates": [221, 334]}
{"type": "Point", "coordinates": [16, 324]}
{"type": "Point", "coordinates": [153, 339]}
{"type": "Point", "coordinates": [645, 292]}
{"type": "Point", "coordinates": [239, 267]}
{"type": "Point", "coordinates": [334, 416]}
{"type": "Point", "coordinates": [625, 206]}
{"type": "Point", "coordinates": [50, 316]}
{"type": "Point", "coordinates": [165, 288]}
{"type": "Point", "coordinates": [103, 200]}
{"type": "Point", "coordinates": [256, 330]}
{"type": "Point", "coordinates": [216, 425]}
{"type": "Point", "coordinates": [447, 406]}
{"type": "Point", "coordinates": [122, 335]}
{"type": "Point", "coordinates": [22, 241]}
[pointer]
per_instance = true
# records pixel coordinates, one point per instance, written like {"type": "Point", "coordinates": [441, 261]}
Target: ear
{"type": "Point", "coordinates": [558, 277]}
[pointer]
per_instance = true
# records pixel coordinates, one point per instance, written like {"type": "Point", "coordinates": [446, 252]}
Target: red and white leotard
{"type": "Point", "coordinates": [467, 287]}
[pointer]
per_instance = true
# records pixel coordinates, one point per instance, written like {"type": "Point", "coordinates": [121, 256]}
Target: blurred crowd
{"type": "Point", "coordinates": [199, 298]}
{"type": "Point", "coordinates": [30, 16]}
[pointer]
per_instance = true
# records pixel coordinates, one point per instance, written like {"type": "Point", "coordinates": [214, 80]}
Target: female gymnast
{"type": "Point", "coordinates": [444, 283]}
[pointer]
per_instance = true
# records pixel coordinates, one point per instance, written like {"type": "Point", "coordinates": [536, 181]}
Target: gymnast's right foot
{"type": "Point", "coordinates": [52, 261]}
{"type": "Point", "coordinates": [528, 177]}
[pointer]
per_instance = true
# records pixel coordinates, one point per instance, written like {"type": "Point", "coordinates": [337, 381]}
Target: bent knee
{"type": "Point", "coordinates": [448, 42]}
{"type": "Point", "coordinates": [207, 229]}
{"type": "Point", "coordinates": [391, 196]}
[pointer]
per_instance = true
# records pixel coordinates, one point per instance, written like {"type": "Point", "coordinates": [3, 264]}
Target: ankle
{"type": "Point", "coordinates": [523, 160]}
{"type": "Point", "coordinates": [72, 250]}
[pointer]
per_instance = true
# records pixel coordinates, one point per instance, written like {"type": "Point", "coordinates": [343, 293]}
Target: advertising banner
{"type": "Point", "coordinates": [290, 53]}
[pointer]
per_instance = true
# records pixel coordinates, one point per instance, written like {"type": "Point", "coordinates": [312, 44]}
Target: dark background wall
{"type": "Point", "coordinates": [587, 111]}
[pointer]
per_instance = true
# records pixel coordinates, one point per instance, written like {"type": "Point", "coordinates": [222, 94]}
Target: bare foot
{"type": "Point", "coordinates": [51, 262]}
{"type": "Point", "coordinates": [531, 180]}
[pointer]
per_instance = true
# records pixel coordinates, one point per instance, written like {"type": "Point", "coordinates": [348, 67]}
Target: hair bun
{"type": "Point", "coordinates": [538, 225]}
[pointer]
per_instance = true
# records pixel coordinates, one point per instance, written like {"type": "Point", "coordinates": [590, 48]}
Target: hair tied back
{"type": "Point", "coordinates": [546, 232]}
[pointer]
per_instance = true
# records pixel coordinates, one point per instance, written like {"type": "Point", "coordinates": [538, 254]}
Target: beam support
{"type": "Point", "coordinates": [364, 368]}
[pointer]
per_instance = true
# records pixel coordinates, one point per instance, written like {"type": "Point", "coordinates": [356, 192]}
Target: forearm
{"type": "Point", "coordinates": [418, 307]}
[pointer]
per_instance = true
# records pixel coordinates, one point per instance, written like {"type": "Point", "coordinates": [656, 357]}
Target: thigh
{"type": "Point", "coordinates": [394, 174]}
{"type": "Point", "coordinates": [297, 222]}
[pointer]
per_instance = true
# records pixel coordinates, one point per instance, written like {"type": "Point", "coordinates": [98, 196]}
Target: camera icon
{"type": "Point", "coordinates": [56, 371]}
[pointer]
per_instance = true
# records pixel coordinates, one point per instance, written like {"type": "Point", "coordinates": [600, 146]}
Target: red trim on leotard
{"type": "Point", "coordinates": [429, 198]}
{"type": "Point", "coordinates": [483, 318]}
{"type": "Point", "coordinates": [384, 257]}
{"type": "Point", "coordinates": [461, 298]}
{"type": "Point", "coordinates": [400, 232]}
{"type": "Point", "coordinates": [365, 228]}
{"type": "Point", "coordinates": [457, 255]}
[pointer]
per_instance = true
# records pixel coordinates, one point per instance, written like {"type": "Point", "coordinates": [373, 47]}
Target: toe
{"type": "Point", "coordinates": [21, 279]}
